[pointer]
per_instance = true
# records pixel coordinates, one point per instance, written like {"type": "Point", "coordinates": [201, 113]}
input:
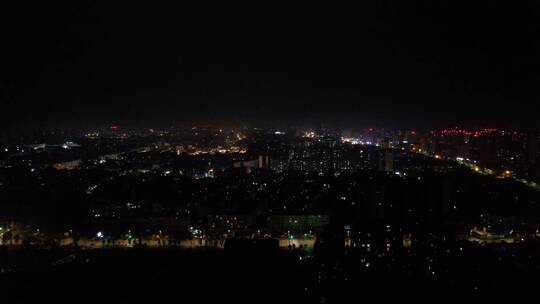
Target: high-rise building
{"type": "Point", "coordinates": [386, 161]}
{"type": "Point", "coordinates": [264, 161]}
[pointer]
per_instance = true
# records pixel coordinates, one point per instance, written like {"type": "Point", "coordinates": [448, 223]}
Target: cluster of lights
{"type": "Point", "coordinates": [220, 150]}
{"type": "Point", "coordinates": [309, 134]}
{"type": "Point", "coordinates": [92, 135]}
{"type": "Point", "coordinates": [355, 141]}
{"type": "Point", "coordinates": [240, 136]}
{"type": "Point", "coordinates": [195, 232]}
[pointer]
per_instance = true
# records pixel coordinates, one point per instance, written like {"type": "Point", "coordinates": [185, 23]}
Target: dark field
{"type": "Point", "coordinates": [212, 276]}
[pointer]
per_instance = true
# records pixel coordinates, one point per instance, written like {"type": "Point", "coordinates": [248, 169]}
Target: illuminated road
{"type": "Point", "coordinates": [95, 243]}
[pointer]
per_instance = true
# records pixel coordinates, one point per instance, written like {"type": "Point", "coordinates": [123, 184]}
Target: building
{"type": "Point", "coordinates": [386, 161]}
{"type": "Point", "coordinates": [297, 224]}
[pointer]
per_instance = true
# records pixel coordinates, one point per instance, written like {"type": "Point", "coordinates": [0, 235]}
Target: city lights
{"type": "Point", "coordinates": [158, 153]}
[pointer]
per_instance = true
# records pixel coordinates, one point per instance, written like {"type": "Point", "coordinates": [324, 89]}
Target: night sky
{"type": "Point", "coordinates": [380, 64]}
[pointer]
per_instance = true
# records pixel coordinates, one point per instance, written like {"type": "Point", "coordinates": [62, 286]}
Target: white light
{"type": "Point", "coordinates": [459, 158]}
{"type": "Point", "coordinates": [100, 234]}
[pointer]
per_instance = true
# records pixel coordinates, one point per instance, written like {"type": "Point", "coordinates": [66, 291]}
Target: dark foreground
{"type": "Point", "coordinates": [213, 276]}
{"type": "Point", "coordinates": [153, 275]}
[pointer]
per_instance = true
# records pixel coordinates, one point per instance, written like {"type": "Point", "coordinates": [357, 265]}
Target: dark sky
{"type": "Point", "coordinates": [400, 64]}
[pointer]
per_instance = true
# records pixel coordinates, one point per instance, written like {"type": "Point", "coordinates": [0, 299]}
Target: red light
{"type": "Point", "coordinates": [468, 133]}
{"type": "Point", "coordinates": [114, 127]}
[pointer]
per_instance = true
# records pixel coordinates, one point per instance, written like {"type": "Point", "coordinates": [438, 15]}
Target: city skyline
{"type": "Point", "coordinates": [156, 151]}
